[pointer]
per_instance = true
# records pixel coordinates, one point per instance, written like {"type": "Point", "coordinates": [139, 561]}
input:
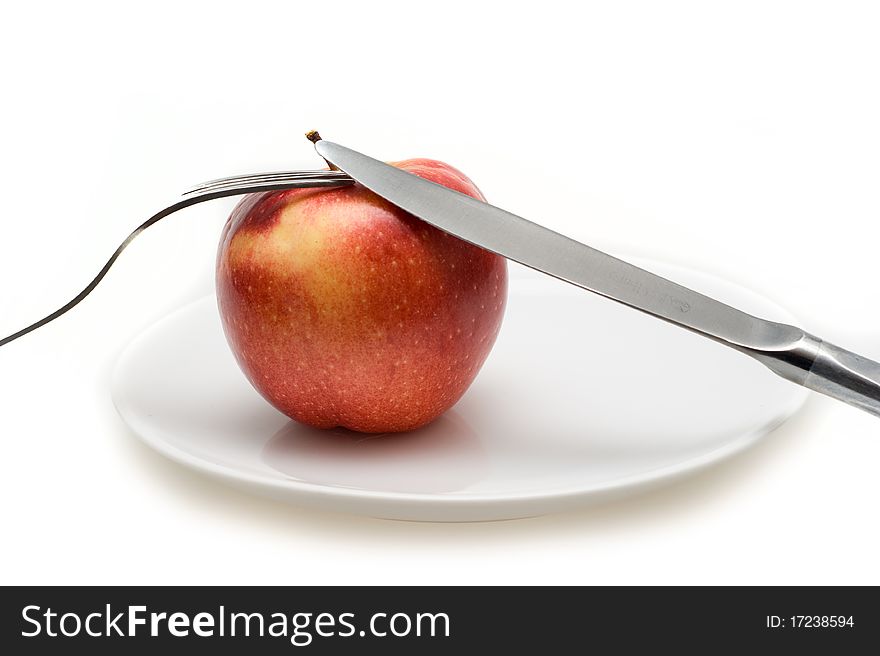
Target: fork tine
{"type": "Point", "coordinates": [275, 178]}
{"type": "Point", "coordinates": [265, 177]}
{"type": "Point", "coordinates": [280, 183]}
{"type": "Point", "coordinates": [266, 185]}
{"type": "Point", "coordinates": [245, 176]}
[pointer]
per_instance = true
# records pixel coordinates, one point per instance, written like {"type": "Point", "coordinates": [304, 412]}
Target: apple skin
{"type": "Point", "coordinates": [343, 310]}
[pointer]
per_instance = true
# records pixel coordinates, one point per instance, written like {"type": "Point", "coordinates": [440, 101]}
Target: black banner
{"type": "Point", "coordinates": [284, 620]}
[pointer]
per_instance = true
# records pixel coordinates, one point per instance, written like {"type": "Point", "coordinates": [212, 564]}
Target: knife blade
{"type": "Point", "coordinates": [540, 248]}
{"type": "Point", "coordinates": [787, 350]}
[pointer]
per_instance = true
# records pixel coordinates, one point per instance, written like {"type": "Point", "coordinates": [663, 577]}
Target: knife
{"type": "Point", "coordinates": [786, 350]}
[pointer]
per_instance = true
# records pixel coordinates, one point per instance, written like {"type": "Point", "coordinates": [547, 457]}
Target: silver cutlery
{"type": "Point", "coordinates": [231, 186]}
{"type": "Point", "coordinates": [786, 350]}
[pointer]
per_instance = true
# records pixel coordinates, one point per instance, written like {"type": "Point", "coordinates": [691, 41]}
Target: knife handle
{"type": "Point", "coordinates": [846, 376]}
{"type": "Point", "coordinates": [829, 369]}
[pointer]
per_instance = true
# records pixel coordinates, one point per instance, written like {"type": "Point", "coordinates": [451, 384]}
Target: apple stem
{"type": "Point", "coordinates": [314, 136]}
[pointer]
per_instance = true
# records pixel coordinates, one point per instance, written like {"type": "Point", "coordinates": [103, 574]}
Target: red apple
{"type": "Point", "coordinates": [343, 310]}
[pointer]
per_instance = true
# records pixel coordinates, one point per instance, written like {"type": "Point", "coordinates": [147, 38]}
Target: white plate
{"type": "Point", "coordinates": [580, 400]}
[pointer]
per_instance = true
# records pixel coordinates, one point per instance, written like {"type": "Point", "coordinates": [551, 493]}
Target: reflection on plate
{"type": "Point", "coordinates": [447, 454]}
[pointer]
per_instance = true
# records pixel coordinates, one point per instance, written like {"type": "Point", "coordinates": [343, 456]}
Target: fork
{"type": "Point", "coordinates": [211, 190]}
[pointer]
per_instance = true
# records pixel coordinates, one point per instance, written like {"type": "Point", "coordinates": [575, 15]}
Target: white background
{"type": "Point", "coordinates": [738, 138]}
